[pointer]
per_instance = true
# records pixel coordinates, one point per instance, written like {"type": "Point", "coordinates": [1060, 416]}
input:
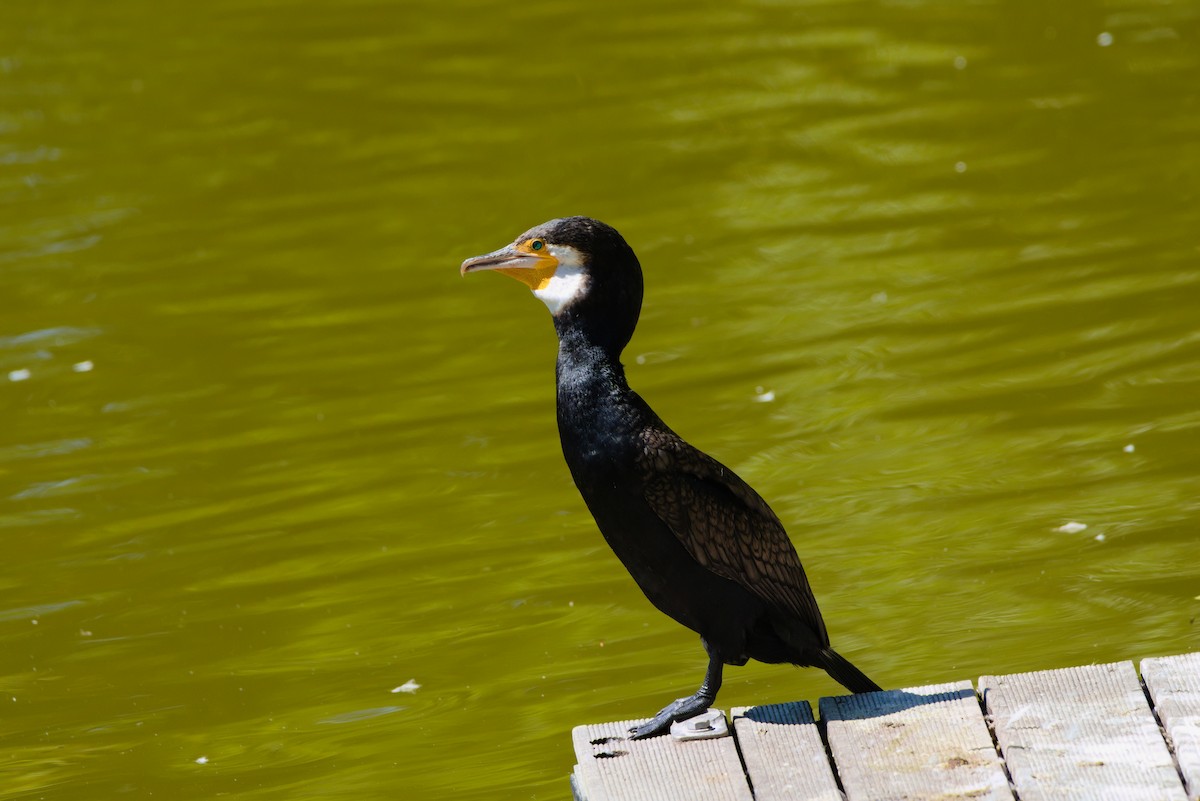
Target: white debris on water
{"type": "Point", "coordinates": [203, 760]}
{"type": "Point", "coordinates": [409, 686]}
{"type": "Point", "coordinates": [763, 395]}
{"type": "Point", "coordinates": [1104, 39]}
{"type": "Point", "coordinates": [18, 375]}
{"type": "Point", "coordinates": [1072, 527]}
{"type": "Point", "coordinates": [83, 367]}
{"type": "Point", "coordinates": [1129, 448]}
{"type": "Point", "coordinates": [1099, 538]}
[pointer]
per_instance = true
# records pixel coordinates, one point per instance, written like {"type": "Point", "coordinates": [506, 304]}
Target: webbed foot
{"type": "Point", "coordinates": [679, 709]}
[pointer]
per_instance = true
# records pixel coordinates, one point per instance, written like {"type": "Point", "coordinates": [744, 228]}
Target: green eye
{"type": "Point", "coordinates": [537, 244]}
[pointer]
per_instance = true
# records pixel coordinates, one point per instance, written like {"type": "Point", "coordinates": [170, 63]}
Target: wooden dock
{"type": "Point", "coordinates": [1093, 733]}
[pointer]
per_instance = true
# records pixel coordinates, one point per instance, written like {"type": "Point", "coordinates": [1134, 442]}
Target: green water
{"type": "Point", "coordinates": [925, 274]}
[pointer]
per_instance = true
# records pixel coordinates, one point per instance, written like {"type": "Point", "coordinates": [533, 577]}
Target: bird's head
{"type": "Point", "coordinates": [584, 272]}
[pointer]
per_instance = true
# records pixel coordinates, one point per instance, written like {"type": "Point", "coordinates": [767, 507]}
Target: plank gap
{"type": "Point", "coordinates": [918, 743]}
{"type": "Point", "coordinates": [1162, 732]}
{"type": "Point", "coordinates": [823, 730]}
{"type": "Point", "coordinates": [1081, 733]}
{"type": "Point", "coordinates": [991, 727]}
{"type": "Point", "coordinates": [1173, 684]}
{"type": "Point", "coordinates": [783, 753]}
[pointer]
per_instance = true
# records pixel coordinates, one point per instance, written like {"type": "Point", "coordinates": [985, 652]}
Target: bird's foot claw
{"type": "Point", "coordinates": [679, 709]}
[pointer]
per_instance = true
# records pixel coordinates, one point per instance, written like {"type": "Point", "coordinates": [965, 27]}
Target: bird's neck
{"type": "Point", "coordinates": [587, 372]}
{"type": "Point", "coordinates": [598, 415]}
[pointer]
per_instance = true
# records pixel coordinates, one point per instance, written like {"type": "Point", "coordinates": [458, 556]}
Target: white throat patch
{"type": "Point", "coordinates": [568, 282]}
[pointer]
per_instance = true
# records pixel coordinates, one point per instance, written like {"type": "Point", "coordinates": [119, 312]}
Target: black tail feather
{"type": "Point", "coordinates": [844, 673]}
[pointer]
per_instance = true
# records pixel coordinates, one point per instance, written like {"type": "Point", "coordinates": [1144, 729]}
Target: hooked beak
{"type": "Point", "coordinates": [508, 257]}
{"type": "Point", "coordinates": [532, 269]}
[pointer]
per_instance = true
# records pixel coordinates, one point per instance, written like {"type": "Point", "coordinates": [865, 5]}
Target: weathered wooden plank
{"type": "Point", "coordinates": [1081, 733]}
{"type": "Point", "coordinates": [613, 767]}
{"type": "Point", "coordinates": [922, 743]}
{"type": "Point", "coordinates": [1174, 685]}
{"type": "Point", "coordinates": [783, 753]}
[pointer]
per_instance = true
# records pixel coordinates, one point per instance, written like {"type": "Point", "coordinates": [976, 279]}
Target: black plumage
{"type": "Point", "coordinates": [702, 545]}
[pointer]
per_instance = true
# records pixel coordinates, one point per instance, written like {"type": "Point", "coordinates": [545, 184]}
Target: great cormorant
{"type": "Point", "coordinates": [700, 542]}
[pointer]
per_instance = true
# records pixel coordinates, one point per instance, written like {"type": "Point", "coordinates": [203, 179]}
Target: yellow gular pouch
{"type": "Point", "coordinates": [536, 278]}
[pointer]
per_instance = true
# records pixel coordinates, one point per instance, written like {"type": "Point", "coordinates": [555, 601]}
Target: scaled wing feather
{"type": "Point", "coordinates": [725, 525]}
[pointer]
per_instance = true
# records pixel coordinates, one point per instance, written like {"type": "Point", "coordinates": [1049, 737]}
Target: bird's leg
{"type": "Point", "coordinates": [684, 708]}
